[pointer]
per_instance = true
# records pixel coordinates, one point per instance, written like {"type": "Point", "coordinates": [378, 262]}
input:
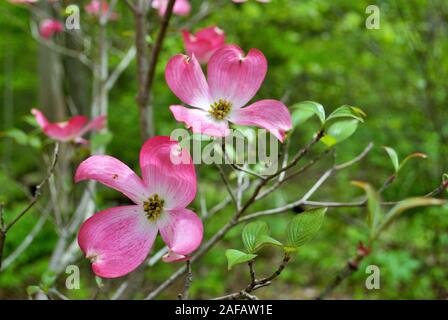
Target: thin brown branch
{"type": "Point", "coordinates": [227, 184]}
{"type": "Point", "coordinates": [256, 284]}
{"type": "Point", "coordinates": [155, 52]}
{"type": "Point", "coordinates": [187, 284]}
{"type": "Point", "coordinates": [4, 228]}
{"type": "Point", "coordinates": [300, 154]}
{"type": "Point", "coordinates": [38, 190]}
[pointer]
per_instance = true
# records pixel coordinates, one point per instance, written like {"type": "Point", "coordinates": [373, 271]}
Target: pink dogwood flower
{"type": "Point", "coordinates": [204, 43]}
{"type": "Point", "coordinates": [232, 81]}
{"type": "Point", "coordinates": [99, 7]}
{"type": "Point", "coordinates": [181, 7]}
{"type": "Point", "coordinates": [241, 1]}
{"type": "Point", "coordinates": [117, 240]}
{"type": "Point", "coordinates": [71, 130]}
{"type": "Point", "coordinates": [49, 27]}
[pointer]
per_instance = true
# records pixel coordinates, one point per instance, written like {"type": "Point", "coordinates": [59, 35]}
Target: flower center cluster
{"type": "Point", "coordinates": [220, 109]}
{"type": "Point", "coordinates": [153, 207]}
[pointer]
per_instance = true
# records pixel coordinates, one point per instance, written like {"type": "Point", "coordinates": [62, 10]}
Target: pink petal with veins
{"type": "Point", "coordinates": [234, 76]}
{"type": "Point", "coordinates": [271, 115]}
{"type": "Point", "coordinates": [117, 240]}
{"type": "Point", "coordinates": [181, 230]}
{"type": "Point", "coordinates": [114, 174]}
{"type": "Point", "coordinates": [185, 78]}
{"type": "Point", "coordinates": [168, 170]}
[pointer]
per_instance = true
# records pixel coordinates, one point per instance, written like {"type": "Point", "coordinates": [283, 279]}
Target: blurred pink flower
{"type": "Point", "coordinates": [71, 130]}
{"type": "Point", "coordinates": [117, 240]}
{"type": "Point", "coordinates": [241, 1]}
{"type": "Point", "coordinates": [204, 43]}
{"type": "Point", "coordinates": [98, 7]}
{"type": "Point", "coordinates": [48, 27]}
{"type": "Point", "coordinates": [232, 81]}
{"type": "Point", "coordinates": [181, 7]}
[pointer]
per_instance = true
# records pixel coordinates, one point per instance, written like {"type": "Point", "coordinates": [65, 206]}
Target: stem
{"type": "Point", "coordinates": [37, 193]}
{"type": "Point", "coordinates": [350, 267]}
{"type": "Point", "coordinates": [187, 284]}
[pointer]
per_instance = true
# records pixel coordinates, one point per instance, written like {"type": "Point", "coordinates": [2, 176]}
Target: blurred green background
{"type": "Point", "coordinates": [317, 50]}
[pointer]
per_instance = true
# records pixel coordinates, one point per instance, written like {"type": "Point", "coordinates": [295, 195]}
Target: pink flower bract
{"type": "Point", "coordinates": [71, 130]}
{"type": "Point", "coordinates": [242, 1]}
{"type": "Point", "coordinates": [48, 27]}
{"type": "Point", "coordinates": [233, 79]}
{"type": "Point", "coordinates": [117, 240]}
{"type": "Point", "coordinates": [204, 43]}
{"type": "Point", "coordinates": [98, 8]}
{"type": "Point", "coordinates": [181, 7]}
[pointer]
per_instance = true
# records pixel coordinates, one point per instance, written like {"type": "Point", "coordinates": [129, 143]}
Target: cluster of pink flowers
{"type": "Point", "coordinates": [117, 240]}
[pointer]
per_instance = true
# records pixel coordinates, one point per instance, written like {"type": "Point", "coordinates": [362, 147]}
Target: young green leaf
{"type": "Point", "coordinates": [17, 135]}
{"type": "Point", "coordinates": [304, 110]}
{"type": "Point", "coordinates": [339, 131]}
{"type": "Point", "coordinates": [304, 227]}
{"type": "Point", "coordinates": [409, 157]}
{"type": "Point", "coordinates": [47, 280]}
{"type": "Point", "coordinates": [252, 232]}
{"type": "Point", "coordinates": [404, 205]}
{"type": "Point", "coordinates": [235, 257]}
{"type": "Point", "coordinates": [393, 157]}
{"type": "Point", "coordinates": [347, 112]}
{"type": "Point", "coordinates": [30, 290]}
{"type": "Point", "coordinates": [265, 240]}
{"type": "Point", "coordinates": [375, 212]}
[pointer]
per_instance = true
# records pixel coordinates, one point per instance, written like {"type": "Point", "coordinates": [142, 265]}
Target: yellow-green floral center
{"type": "Point", "coordinates": [220, 109]}
{"type": "Point", "coordinates": [153, 207]}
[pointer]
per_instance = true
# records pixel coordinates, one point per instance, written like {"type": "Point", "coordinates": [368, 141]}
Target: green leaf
{"type": "Point", "coordinates": [304, 227]}
{"type": "Point", "coordinates": [17, 135]}
{"type": "Point", "coordinates": [35, 142]}
{"type": "Point", "coordinates": [256, 235]}
{"type": "Point", "coordinates": [251, 233]}
{"type": "Point", "coordinates": [48, 279]}
{"type": "Point", "coordinates": [339, 131]}
{"type": "Point", "coordinates": [31, 120]}
{"type": "Point", "coordinates": [31, 290]}
{"type": "Point", "coordinates": [304, 110]}
{"type": "Point", "coordinates": [375, 212]}
{"type": "Point", "coordinates": [407, 204]}
{"type": "Point", "coordinates": [101, 140]}
{"type": "Point", "coordinates": [409, 157]}
{"type": "Point", "coordinates": [235, 257]}
{"type": "Point", "coordinates": [393, 157]}
{"type": "Point", "coordinates": [265, 240]}
{"type": "Point", "coordinates": [347, 112]}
